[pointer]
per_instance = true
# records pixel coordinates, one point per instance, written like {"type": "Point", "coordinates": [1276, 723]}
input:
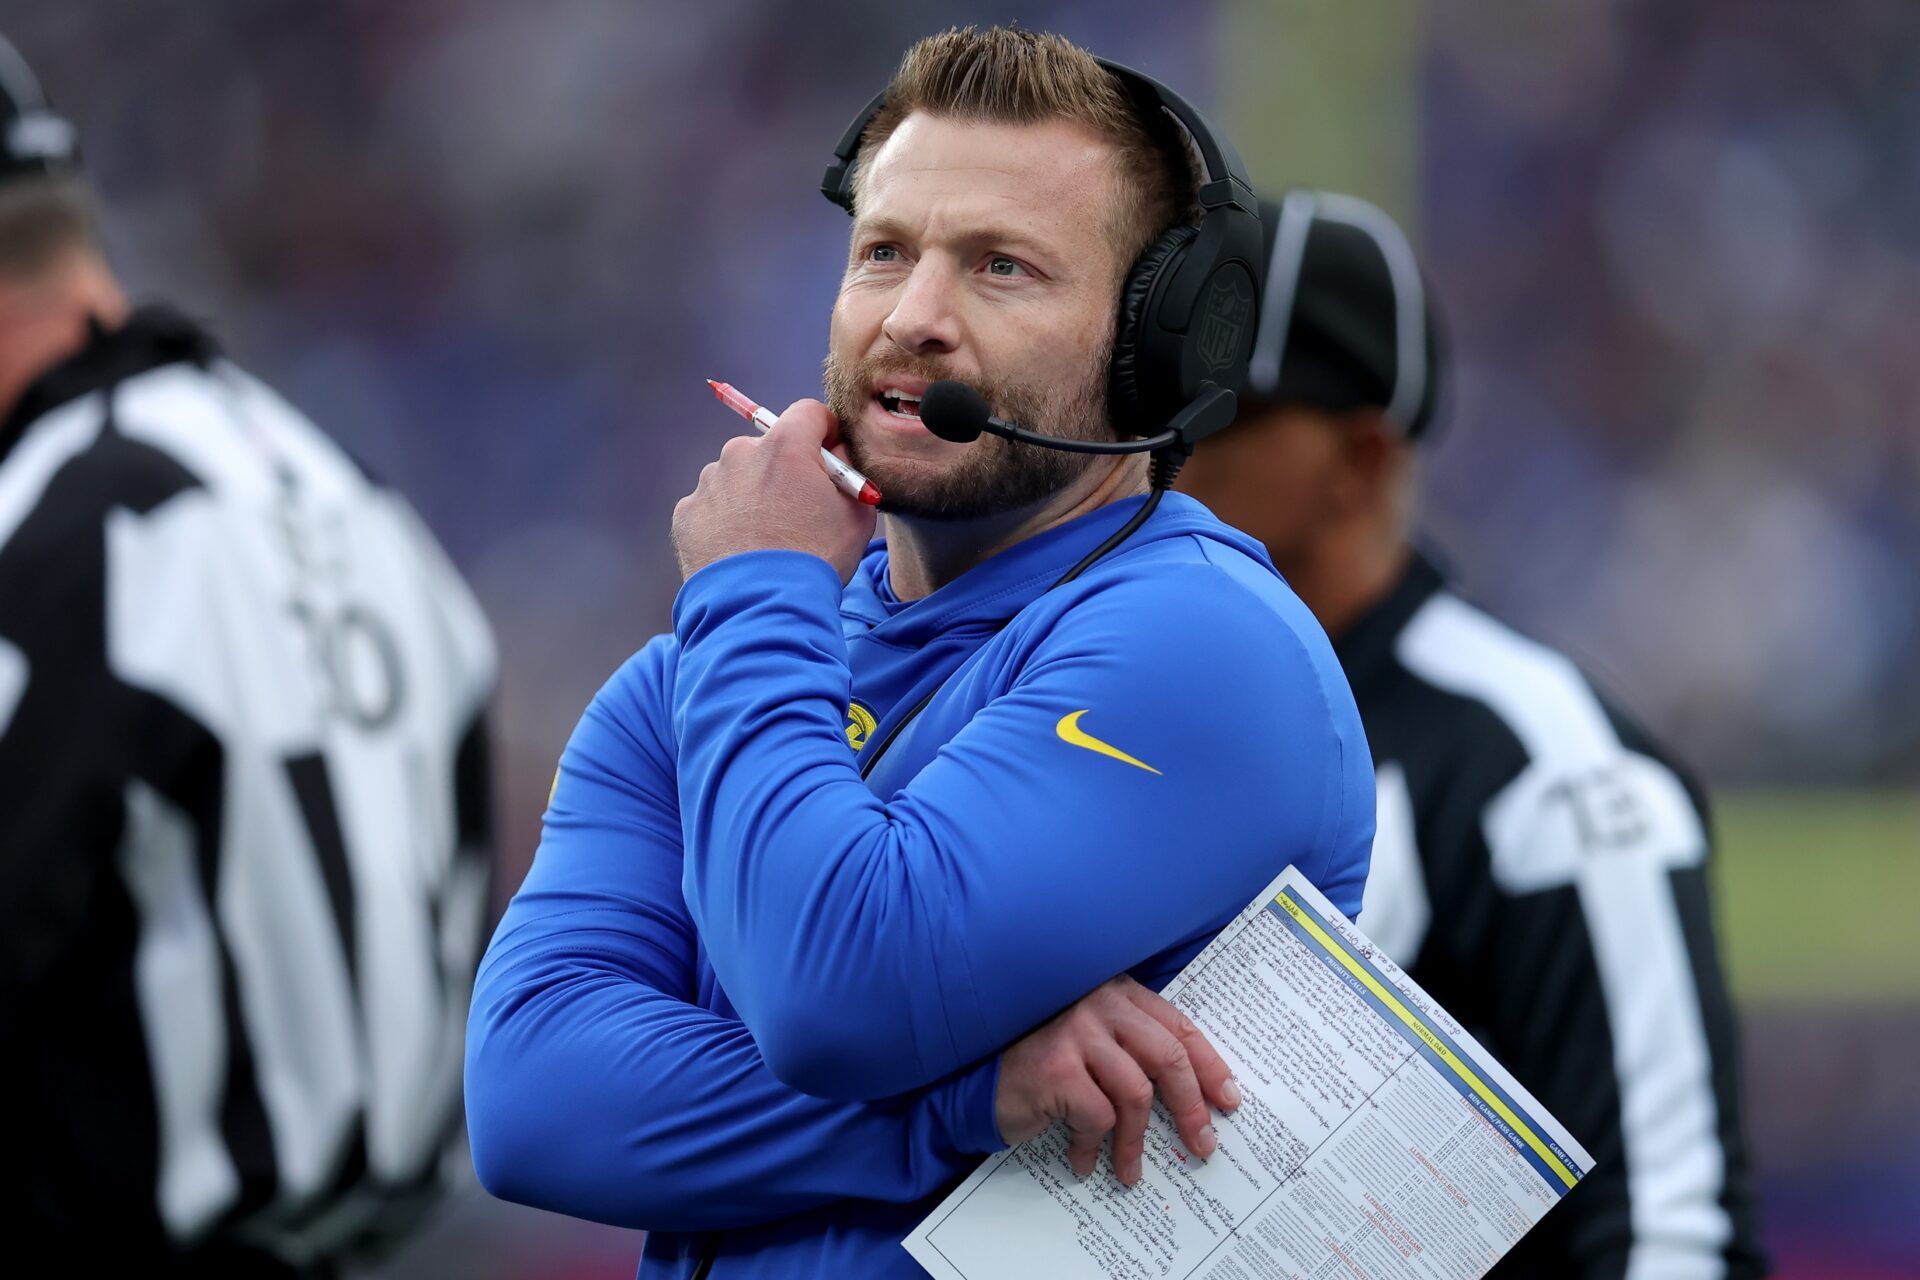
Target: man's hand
{"type": "Point", "coordinates": [1097, 1067]}
{"type": "Point", "coordinates": [771, 493]}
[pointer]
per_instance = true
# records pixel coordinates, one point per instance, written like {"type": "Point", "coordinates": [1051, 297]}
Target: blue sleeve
{"type": "Point", "coordinates": [597, 1088]}
{"type": "Point", "coordinates": [876, 944]}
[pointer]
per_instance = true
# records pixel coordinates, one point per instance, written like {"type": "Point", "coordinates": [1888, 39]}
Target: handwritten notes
{"type": "Point", "coordinates": [1376, 1138]}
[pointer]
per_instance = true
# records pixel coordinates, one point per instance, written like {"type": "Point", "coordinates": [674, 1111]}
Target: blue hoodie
{"type": "Point", "coordinates": [753, 1003]}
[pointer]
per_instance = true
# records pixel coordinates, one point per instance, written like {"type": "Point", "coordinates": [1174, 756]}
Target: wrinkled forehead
{"type": "Point", "coordinates": [1055, 182]}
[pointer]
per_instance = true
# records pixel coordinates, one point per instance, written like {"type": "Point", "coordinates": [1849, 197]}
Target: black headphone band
{"type": "Point", "coordinates": [1227, 181]}
{"type": "Point", "coordinates": [837, 184]}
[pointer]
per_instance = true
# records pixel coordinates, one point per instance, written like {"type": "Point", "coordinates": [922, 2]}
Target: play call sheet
{"type": "Point", "coordinates": [1376, 1139]}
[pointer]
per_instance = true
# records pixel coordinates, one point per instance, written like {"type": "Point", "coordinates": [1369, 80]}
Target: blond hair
{"type": "Point", "coordinates": [1004, 75]}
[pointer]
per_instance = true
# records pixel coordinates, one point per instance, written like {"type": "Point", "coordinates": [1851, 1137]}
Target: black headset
{"type": "Point", "coordinates": [1190, 305]}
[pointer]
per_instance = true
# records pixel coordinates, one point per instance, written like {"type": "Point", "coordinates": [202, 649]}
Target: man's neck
{"type": "Point", "coordinates": [1345, 574]}
{"type": "Point", "coordinates": [925, 555]}
{"type": "Point", "coordinates": [43, 319]}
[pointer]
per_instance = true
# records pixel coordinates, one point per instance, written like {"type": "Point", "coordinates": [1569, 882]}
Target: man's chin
{"type": "Point", "coordinates": [901, 460]}
{"type": "Point", "coordinates": [967, 488]}
{"type": "Point", "coordinates": [925, 489]}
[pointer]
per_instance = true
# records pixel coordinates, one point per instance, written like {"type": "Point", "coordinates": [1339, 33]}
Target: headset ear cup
{"type": "Point", "coordinates": [1134, 384]}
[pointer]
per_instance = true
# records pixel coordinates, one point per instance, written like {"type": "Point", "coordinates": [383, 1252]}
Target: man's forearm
{"type": "Point", "coordinates": [874, 945]}
{"type": "Point", "coordinates": [590, 1094]}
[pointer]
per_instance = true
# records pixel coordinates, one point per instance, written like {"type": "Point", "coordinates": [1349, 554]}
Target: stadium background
{"type": "Point", "coordinates": [496, 246]}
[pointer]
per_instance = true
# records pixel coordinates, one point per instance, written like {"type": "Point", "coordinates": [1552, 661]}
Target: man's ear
{"type": "Point", "coordinates": [1372, 450]}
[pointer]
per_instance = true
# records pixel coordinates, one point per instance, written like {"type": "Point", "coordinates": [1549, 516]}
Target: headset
{"type": "Point", "coordinates": [1188, 310]}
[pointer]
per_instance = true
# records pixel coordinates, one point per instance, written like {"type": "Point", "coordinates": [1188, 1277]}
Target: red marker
{"type": "Point", "coordinates": [845, 478]}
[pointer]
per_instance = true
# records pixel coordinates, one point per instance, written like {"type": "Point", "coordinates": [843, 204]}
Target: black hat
{"type": "Point", "coordinates": [1346, 322]}
{"type": "Point", "coordinates": [34, 141]}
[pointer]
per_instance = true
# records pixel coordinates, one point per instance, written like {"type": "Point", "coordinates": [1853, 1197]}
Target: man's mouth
{"type": "Point", "coordinates": [900, 406]}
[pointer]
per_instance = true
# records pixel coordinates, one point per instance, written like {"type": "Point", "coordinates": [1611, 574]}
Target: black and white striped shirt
{"type": "Point", "coordinates": [243, 820]}
{"type": "Point", "coordinates": [1541, 870]}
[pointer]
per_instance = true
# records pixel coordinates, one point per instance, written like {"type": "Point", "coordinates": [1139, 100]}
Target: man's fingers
{"type": "Point", "coordinates": [1089, 1117]}
{"type": "Point", "coordinates": [1131, 1093]}
{"type": "Point", "coordinates": [806, 424]}
{"type": "Point", "coordinates": [1209, 1068]}
{"type": "Point", "coordinates": [1163, 1057]}
{"type": "Point", "coordinates": [836, 437]}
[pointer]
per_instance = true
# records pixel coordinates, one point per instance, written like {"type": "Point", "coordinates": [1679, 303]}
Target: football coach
{"type": "Point", "coordinates": [871, 865]}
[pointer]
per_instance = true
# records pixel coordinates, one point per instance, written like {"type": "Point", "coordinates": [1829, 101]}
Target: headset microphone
{"type": "Point", "coordinates": [956, 412]}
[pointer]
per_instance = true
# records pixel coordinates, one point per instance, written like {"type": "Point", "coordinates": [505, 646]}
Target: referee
{"type": "Point", "coordinates": [1539, 866]}
{"type": "Point", "coordinates": [243, 806]}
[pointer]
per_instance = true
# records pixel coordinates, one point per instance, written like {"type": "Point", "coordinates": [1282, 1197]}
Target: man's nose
{"type": "Point", "coordinates": [923, 319]}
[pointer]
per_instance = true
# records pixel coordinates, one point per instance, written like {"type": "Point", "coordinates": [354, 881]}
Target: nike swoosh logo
{"type": "Point", "coordinates": [1070, 731]}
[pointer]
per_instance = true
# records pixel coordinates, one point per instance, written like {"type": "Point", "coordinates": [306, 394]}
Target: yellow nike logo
{"type": "Point", "coordinates": [1070, 731]}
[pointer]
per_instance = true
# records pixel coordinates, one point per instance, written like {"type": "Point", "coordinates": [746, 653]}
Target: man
{"type": "Point", "coordinates": [1540, 868]}
{"type": "Point", "coordinates": [770, 1009]}
{"type": "Point", "coordinates": [243, 803]}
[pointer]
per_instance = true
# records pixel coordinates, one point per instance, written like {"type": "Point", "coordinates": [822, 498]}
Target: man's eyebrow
{"type": "Point", "coordinates": [885, 228]}
{"type": "Point", "coordinates": [882, 228]}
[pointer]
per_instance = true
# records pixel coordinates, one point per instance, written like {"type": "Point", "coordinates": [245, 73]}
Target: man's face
{"type": "Point", "coordinates": [981, 252]}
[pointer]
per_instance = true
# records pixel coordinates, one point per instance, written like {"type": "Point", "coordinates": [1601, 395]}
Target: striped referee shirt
{"type": "Point", "coordinates": [1541, 869]}
{"type": "Point", "coordinates": [243, 821]}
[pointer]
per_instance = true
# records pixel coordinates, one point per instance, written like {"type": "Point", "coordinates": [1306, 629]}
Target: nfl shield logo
{"type": "Point", "coordinates": [1229, 308]}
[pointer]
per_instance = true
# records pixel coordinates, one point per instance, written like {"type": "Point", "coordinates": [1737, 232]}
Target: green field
{"type": "Point", "coordinates": [1818, 894]}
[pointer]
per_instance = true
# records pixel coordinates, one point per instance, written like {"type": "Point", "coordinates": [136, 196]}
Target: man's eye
{"type": "Point", "coordinates": [883, 253]}
{"type": "Point", "coordinates": [1003, 266]}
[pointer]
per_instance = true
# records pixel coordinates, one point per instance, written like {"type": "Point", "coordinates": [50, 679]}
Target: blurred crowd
{"type": "Point", "coordinates": [1679, 250]}
{"type": "Point", "coordinates": [496, 247]}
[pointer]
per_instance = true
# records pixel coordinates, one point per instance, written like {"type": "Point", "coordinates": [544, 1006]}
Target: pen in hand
{"type": "Point", "coordinates": [845, 478]}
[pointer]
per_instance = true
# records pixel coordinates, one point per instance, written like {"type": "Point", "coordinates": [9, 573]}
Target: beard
{"type": "Point", "coordinates": [994, 476]}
